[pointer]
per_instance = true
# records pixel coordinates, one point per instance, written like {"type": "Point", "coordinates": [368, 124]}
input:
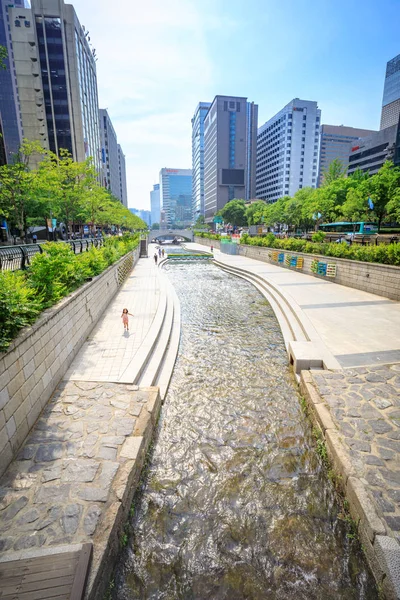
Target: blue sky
{"type": "Point", "coordinates": [157, 59]}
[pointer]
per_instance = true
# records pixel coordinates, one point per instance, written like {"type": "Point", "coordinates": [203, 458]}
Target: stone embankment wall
{"type": "Point", "coordinates": [36, 361]}
{"type": "Point", "coordinates": [383, 280]}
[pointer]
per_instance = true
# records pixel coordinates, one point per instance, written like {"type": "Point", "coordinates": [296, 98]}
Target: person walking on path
{"type": "Point", "coordinates": [163, 252]}
{"type": "Point", "coordinates": [125, 318]}
{"type": "Point", "coordinates": [155, 258]}
{"type": "Point", "coordinates": [159, 252]}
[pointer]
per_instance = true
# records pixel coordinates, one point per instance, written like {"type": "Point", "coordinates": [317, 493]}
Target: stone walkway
{"type": "Point", "coordinates": [109, 350]}
{"type": "Point", "coordinates": [365, 405]}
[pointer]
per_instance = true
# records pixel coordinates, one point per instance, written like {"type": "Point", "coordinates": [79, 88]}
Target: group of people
{"type": "Point", "coordinates": [160, 254]}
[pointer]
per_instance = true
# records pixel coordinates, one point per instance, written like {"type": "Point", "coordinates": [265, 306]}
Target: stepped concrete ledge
{"type": "Point", "coordinates": [355, 328]}
{"type": "Point", "coordinates": [74, 478]}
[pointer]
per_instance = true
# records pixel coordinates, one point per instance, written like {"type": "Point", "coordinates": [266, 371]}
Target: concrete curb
{"type": "Point", "coordinates": [106, 544]}
{"type": "Point", "coordinates": [382, 551]}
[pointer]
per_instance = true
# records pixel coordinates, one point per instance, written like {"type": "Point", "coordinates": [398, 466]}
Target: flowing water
{"type": "Point", "coordinates": [235, 504]}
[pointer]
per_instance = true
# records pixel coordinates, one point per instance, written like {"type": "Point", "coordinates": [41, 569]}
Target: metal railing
{"type": "Point", "coordinates": [13, 258]}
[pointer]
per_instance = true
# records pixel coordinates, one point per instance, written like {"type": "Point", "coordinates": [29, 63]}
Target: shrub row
{"type": "Point", "coordinates": [383, 254]}
{"type": "Point", "coordinates": [209, 236]}
{"type": "Point", "coordinates": [51, 276]}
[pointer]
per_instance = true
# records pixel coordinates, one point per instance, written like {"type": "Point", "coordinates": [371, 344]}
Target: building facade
{"type": "Point", "coordinates": [391, 94]}
{"type": "Point", "coordinates": [155, 204]}
{"type": "Point", "coordinates": [11, 132]}
{"type": "Point", "coordinates": [56, 78]}
{"type": "Point", "coordinates": [370, 153]}
{"type": "Point", "coordinates": [251, 149]}
{"type": "Point", "coordinates": [176, 197]}
{"type": "Point", "coordinates": [229, 161]}
{"type": "Point", "coordinates": [198, 159]}
{"type": "Point", "coordinates": [123, 192]}
{"type": "Point", "coordinates": [335, 143]}
{"type": "Point", "coordinates": [109, 154]}
{"type": "Point", "coordinates": [287, 151]}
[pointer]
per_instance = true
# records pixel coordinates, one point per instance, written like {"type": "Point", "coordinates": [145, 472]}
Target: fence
{"type": "Point", "coordinates": [13, 258]}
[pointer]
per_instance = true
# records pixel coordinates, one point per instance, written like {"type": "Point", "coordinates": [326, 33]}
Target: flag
{"type": "Point", "coordinates": [370, 204]}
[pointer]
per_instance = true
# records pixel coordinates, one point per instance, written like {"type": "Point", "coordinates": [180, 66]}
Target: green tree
{"type": "Point", "coordinates": [255, 212]}
{"type": "Point", "coordinates": [155, 226]}
{"type": "Point", "coordinates": [19, 193]}
{"type": "Point", "coordinates": [200, 222]}
{"type": "Point", "coordinates": [335, 171]}
{"type": "Point", "coordinates": [3, 56]}
{"type": "Point", "coordinates": [234, 212]}
{"type": "Point", "coordinates": [382, 188]}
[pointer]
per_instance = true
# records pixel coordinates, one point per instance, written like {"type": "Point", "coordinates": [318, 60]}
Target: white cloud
{"type": "Point", "coordinates": [152, 70]}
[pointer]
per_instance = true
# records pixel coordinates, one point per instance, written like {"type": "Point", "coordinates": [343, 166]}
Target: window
{"type": "Point", "coordinates": [17, 23]}
{"type": "Point", "coordinates": [315, 153]}
{"type": "Point", "coordinates": [303, 146]}
{"type": "Point", "coordinates": [302, 152]}
{"type": "Point", "coordinates": [304, 117]}
{"type": "Point", "coordinates": [300, 186]}
{"type": "Point", "coordinates": [302, 160]}
{"type": "Point", "coordinates": [301, 180]}
{"type": "Point", "coordinates": [314, 160]}
{"type": "Point", "coordinates": [303, 139]}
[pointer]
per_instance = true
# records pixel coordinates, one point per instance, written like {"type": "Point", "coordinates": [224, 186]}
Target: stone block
{"type": "Point", "coordinates": [4, 439]}
{"type": "Point", "coordinates": [27, 356]}
{"type": "Point", "coordinates": [11, 427]}
{"type": "Point", "coordinates": [22, 412]}
{"type": "Point", "coordinates": [16, 383]}
{"type": "Point", "coordinates": [305, 356]}
{"type": "Point", "coordinates": [387, 551]}
{"type": "Point", "coordinates": [4, 397]}
{"type": "Point", "coordinates": [33, 414]}
{"type": "Point", "coordinates": [362, 508]}
{"type": "Point", "coordinates": [339, 455]}
{"type": "Point", "coordinates": [324, 417]}
{"type": "Point", "coordinates": [132, 447]}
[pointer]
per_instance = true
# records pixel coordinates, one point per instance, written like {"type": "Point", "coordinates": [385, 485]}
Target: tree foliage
{"type": "Point", "coordinates": [39, 185]}
{"type": "Point", "coordinates": [234, 213]}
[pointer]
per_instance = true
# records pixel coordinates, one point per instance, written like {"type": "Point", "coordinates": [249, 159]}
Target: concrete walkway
{"type": "Point", "coordinates": [358, 328]}
{"type": "Point", "coordinates": [109, 350]}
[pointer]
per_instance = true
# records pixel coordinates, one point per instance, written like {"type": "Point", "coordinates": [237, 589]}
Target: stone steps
{"type": "Point", "coordinates": [304, 345]}
{"type": "Point", "coordinates": [157, 370]}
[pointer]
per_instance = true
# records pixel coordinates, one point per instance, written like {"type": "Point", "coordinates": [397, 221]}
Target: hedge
{"type": "Point", "coordinates": [51, 275]}
{"type": "Point", "coordinates": [383, 254]}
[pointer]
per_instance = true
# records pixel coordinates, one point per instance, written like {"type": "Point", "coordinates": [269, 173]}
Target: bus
{"type": "Point", "coordinates": [347, 228]}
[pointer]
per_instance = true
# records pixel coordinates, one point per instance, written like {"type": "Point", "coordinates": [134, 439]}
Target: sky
{"type": "Point", "coordinates": [157, 59]}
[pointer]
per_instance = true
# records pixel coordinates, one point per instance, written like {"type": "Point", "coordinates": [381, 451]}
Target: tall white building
{"type": "Point", "coordinates": [198, 159]}
{"type": "Point", "coordinates": [288, 150]}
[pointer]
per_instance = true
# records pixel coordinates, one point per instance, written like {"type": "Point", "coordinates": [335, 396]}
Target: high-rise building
{"type": "Point", "coordinates": [176, 196]}
{"type": "Point", "coordinates": [370, 153]}
{"type": "Point", "coordinates": [155, 204]}
{"type": "Point", "coordinates": [11, 132]}
{"type": "Point", "coordinates": [198, 159]}
{"type": "Point", "coordinates": [56, 78]}
{"type": "Point", "coordinates": [335, 143]}
{"type": "Point", "coordinates": [287, 151]}
{"type": "Point", "coordinates": [229, 157]}
{"type": "Point", "coordinates": [123, 193]}
{"type": "Point", "coordinates": [391, 94]}
{"type": "Point", "coordinates": [251, 149]}
{"type": "Point", "coordinates": [109, 155]}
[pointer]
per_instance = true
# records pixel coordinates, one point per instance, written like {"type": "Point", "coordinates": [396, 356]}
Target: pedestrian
{"type": "Point", "coordinates": [34, 238]}
{"type": "Point", "coordinates": [125, 318]}
{"type": "Point", "coordinates": [155, 258]}
{"type": "Point", "coordinates": [159, 252]}
{"type": "Point", "coordinates": [212, 248]}
{"type": "Point", "coordinates": [163, 252]}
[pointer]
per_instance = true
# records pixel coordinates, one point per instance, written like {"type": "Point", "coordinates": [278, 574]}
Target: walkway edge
{"type": "Point", "coordinates": [106, 551]}
{"type": "Point", "coordinates": [382, 552]}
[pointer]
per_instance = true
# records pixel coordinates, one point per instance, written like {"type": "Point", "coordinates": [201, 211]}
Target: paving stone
{"type": "Point", "coordinates": [383, 502]}
{"type": "Point", "coordinates": [48, 452]}
{"type": "Point", "coordinates": [70, 520]}
{"type": "Point", "coordinates": [80, 470]}
{"type": "Point", "coordinates": [93, 494]}
{"type": "Point", "coordinates": [27, 453]}
{"type": "Point", "coordinates": [392, 444]}
{"type": "Point", "coordinates": [29, 541]}
{"type": "Point", "coordinates": [6, 543]}
{"type": "Point", "coordinates": [52, 494]}
{"type": "Point", "coordinates": [380, 426]}
{"type": "Point", "coordinates": [107, 453]}
{"type": "Point", "coordinates": [107, 474]}
{"type": "Point", "coordinates": [112, 441]}
{"type": "Point", "coordinates": [51, 474]}
{"type": "Point", "coordinates": [386, 454]}
{"type": "Point", "coordinates": [395, 495]}
{"type": "Point", "coordinates": [14, 508]}
{"type": "Point", "coordinates": [393, 522]}
{"type": "Point", "coordinates": [374, 378]}
{"type": "Point", "coordinates": [390, 475]}
{"type": "Point", "coordinates": [30, 516]}
{"type": "Point", "coordinates": [359, 445]}
{"type": "Point", "coordinates": [91, 519]}
{"type": "Point", "coordinates": [371, 459]}
{"type": "Point", "coordinates": [382, 404]}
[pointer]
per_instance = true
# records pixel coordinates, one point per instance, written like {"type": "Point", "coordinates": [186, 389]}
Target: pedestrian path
{"type": "Point", "coordinates": [109, 350]}
{"type": "Point", "coordinates": [358, 328]}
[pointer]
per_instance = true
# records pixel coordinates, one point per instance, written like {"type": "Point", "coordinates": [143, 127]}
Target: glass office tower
{"type": "Point", "coordinates": [198, 159]}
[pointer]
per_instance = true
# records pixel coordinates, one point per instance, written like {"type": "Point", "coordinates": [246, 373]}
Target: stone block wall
{"type": "Point", "coordinates": [39, 357]}
{"type": "Point", "coordinates": [207, 242]}
{"type": "Point", "coordinates": [383, 280]}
